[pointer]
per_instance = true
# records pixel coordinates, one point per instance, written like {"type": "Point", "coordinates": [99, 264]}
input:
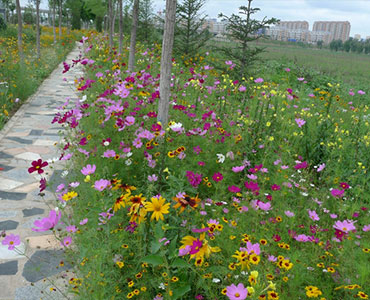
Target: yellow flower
{"type": "Point", "coordinates": [158, 208]}
{"type": "Point", "coordinates": [69, 196]}
{"type": "Point", "coordinates": [120, 264]}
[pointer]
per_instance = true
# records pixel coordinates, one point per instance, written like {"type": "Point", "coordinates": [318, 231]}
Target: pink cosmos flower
{"type": "Point", "coordinates": [88, 170]}
{"type": "Point", "coordinates": [47, 223]}
{"type": "Point", "coordinates": [11, 241]}
{"type": "Point", "coordinates": [302, 238]}
{"type": "Point", "coordinates": [300, 122]}
{"type": "Point", "coordinates": [184, 251]}
{"type": "Point", "coordinates": [253, 248]}
{"type": "Point", "coordinates": [321, 167]}
{"type": "Point", "coordinates": [289, 213]}
{"type": "Point", "coordinates": [109, 153]}
{"type": "Point", "coordinates": [301, 165]}
{"type": "Point", "coordinates": [238, 292]}
{"type": "Point", "coordinates": [152, 178]}
{"type": "Point", "coordinates": [67, 241]}
{"type": "Point", "coordinates": [287, 70]}
{"type": "Point", "coordinates": [275, 187]}
{"type": "Point", "coordinates": [345, 226]}
{"type": "Point", "coordinates": [272, 258]}
{"type": "Point", "coordinates": [300, 78]}
{"type": "Point", "coordinates": [313, 215]}
{"type": "Point", "coordinates": [366, 228]}
{"type": "Point", "coordinates": [71, 228]}
{"type": "Point", "coordinates": [258, 80]}
{"type": "Point", "coordinates": [101, 184]}
{"type": "Point", "coordinates": [242, 88]}
{"type": "Point", "coordinates": [238, 169]}
{"type": "Point", "coordinates": [264, 206]}
{"type": "Point", "coordinates": [361, 92]}
{"type": "Point", "coordinates": [195, 247]}
{"type": "Point", "coordinates": [84, 221]}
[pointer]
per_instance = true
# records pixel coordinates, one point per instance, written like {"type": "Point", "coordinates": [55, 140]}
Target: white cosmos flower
{"type": "Point", "coordinates": [220, 158]}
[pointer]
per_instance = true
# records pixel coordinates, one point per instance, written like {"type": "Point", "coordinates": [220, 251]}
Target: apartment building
{"type": "Point", "coordinates": [294, 25]}
{"type": "Point", "coordinates": [340, 30]}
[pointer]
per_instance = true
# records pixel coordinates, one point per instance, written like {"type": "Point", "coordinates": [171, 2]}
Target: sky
{"type": "Point", "coordinates": [357, 12]}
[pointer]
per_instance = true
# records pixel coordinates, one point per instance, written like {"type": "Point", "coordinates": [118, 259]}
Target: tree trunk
{"type": "Point", "coordinates": [60, 20]}
{"type": "Point", "coordinates": [54, 32]}
{"type": "Point", "coordinates": [120, 27]}
{"type": "Point", "coordinates": [135, 18]}
{"type": "Point", "coordinates": [20, 46]}
{"type": "Point", "coordinates": [166, 62]}
{"type": "Point", "coordinates": [114, 19]}
{"type": "Point", "coordinates": [110, 22]}
{"type": "Point", "coordinates": [38, 28]}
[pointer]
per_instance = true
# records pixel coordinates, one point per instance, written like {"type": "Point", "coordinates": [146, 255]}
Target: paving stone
{"type": "Point", "coordinates": [8, 214]}
{"type": "Point", "coordinates": [28, 188]}
{"type": "Point", "coordinates": [12, 196]}
{"type": "Point", "coordinates": [43, 242]}
{"type": "Point", "coordinates": [28, 156]}
{"type": "Point", "coordinates": [8, 225]}
{"type": "Point", "coordinates": [11, 254]}
{"type": "Point", "coordinates": [36, 132]}
{"type": "Point", "coordinates": [5, 168]}
{"type": "Point", "coordinates": [40, 142]}
{"type": "Point", "coordinates": [8, 184]}
{"type": "Point", "coordinates": [17, 174]}
{"type": "Point", "coordinates": [44, 263]}
{"type": "Point", "coordinates": [9, 268]}
{"type": "Point", "coordinates": [32, 212]}
{"type": "Point", "coordinates": [30, 223]}
{"type": "Point", "coordinates": [4, 155]}
{"type": "Point", "coordinates": [19, 140]}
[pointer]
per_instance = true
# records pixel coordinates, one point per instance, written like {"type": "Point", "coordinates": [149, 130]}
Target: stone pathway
{"type": "Point", "coordinates": [28, 136]}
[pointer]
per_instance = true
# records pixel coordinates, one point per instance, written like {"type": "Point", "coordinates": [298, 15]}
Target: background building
{"type": "Point", "coordinates": [339, 29]}
{"type": "Point", "coordinates": [294, 25]}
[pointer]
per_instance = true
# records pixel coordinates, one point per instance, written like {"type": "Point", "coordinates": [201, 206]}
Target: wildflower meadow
{"type": "Point", "coordinates": [257, 188]}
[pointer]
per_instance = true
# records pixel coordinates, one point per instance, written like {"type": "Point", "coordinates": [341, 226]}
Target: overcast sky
{"type": "Point", "coordinates": [357, 12]}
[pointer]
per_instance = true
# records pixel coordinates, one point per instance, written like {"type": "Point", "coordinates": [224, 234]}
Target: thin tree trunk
{"type": "Point", "coordinates": [166, 62]}
{"type": "Point", "coordinates": [60, 20]}
{"type": "Point", "coordinates": [120, 27]}
{"type": "Point", "coordinates": [110, 22]}
{"type": "Point", "coordinates": [135, 18]}
{"type": "Point", "coordinates": [54, 32]}
{"type": "Point", "coordinates": [20, 46]}
{"type": "Point", "coordinates": [114, 19]}
{"type": "Point", "coordinates": [38, 28]}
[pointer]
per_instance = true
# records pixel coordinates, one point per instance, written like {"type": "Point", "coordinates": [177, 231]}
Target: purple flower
{"type": "Point", "coordinates": [313, 215]}
{"type": "Point", "coordinates": [337, 193]}
{"type": "Point", "coordinates": [300, 122]}
{"type": "Point", "coordinates": [89, 169]}
{"type": "Point", "coordinates": [194, 179]}
{"type": "Point", "coordinates": [238, 292]}
{"type": "Point", "coordinates": [152, 178]}
{"type": "Point", "coordinates": [301, 165]}
{"type": "Point", "coordinates": [101, 184]}
{"type": "Point", "coordinates": [47, 223]}
{"type": "Point", "coordinates": [67, 241]}
{"type": "Point", "coordinates": [11, 241]}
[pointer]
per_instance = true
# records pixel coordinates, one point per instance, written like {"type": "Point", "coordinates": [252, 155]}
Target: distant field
{"type": "Point", "coordinates": [352, 68]}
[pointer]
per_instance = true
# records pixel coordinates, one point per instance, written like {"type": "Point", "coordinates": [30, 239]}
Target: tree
{"type": "Point", "coordinates": [146, 25]}
{"type": "Point", "coordinates": [190, 35]}
{"type": "Point", "coordinates": [60, 3]}
{"type": "Point", "coordinates": [243, 31]}
{"type": "Point", "coordinates": [38, 28]}
{"type": "Point", "coordinates": [98, 9]}
{"type": "Point", "coordinates": [110, 23]}
{"type": "Point", "coordinates": [135, 16]}
{"type": "Point", "coordinates": [76, 9]}
{"type": "Point", "coordinates": [52, 3]}
{"type": "Point", "coordinates": [120, 11]}
{"type": "Point", "coordinates": [166, 62]}
{"type": "Point", "coordinates": [319, 44]}
{"type": "Point", "coordinates": [20, 46]}
{"type": "Point", "coordinates": [347, 44]}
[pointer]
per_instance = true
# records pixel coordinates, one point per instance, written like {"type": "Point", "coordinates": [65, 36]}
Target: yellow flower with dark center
{"type": "Point", "coordinates": [362, 295]}
{"type": "Point", "coordinates": [272, 295]}
{"type": "Point", "coordinates": [120, 264]}
{"type": "Point", "coordinates": [158, 208]}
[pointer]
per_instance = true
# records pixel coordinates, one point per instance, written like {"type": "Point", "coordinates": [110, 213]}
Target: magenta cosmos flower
{"type": "Point", "coordinates": [37, 165]}
{"type": "Point", "coordinates": [238, 292]}
{"type": "Point", "coordinates": [47, 223]}
{"type": "Point", "coordinates": [217, 177]}
{"type": "Point", "coordinates": [11, 241]}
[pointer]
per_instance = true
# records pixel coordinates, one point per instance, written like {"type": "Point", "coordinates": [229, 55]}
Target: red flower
{"type": "Point", "coordinates": [42, 184]}
{"type": "Point", "coordinates": [37, 165]}
{"type": "Point", "coordinates": [344, 185]}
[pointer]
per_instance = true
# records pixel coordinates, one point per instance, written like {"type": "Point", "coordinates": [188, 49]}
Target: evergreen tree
{"type": "Point", "coordinates": [190, 34]}
{"type": "Point", "coordinates": [241, 32]}
{"type": "Point", "coordinates": [146, 23]}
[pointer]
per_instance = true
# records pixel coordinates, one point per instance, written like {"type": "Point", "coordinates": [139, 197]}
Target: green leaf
{"type": "Point", "coordinates": [158, 231]}
{"type": "Point", "coordinates": [180, 291]}
{"type": "Point", "coordinates": [179, 263]}
{"type": "Point", "coordinates": [153, 259]}
{"type": "Point", "coordinates": [155, 245]}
